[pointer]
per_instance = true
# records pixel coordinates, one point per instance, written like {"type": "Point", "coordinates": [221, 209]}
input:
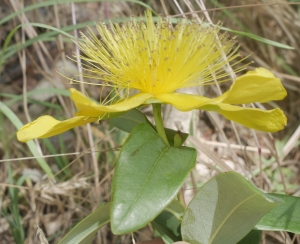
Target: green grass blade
{"type": "Point", "coordinates": [7, 52]}
{"type": "Point", "coordinates": [258, 38]}
{"type": "Point", "coordinates": [32, 147]}
{"type": "Point", "coordinates": [246, 31]}
{"type": "Point", "coordinates": [5, 45]}
{"type": "Point", "coordinates": [60, 162]}
{"type": "Point", "coordinates": [15, 220]}
{"type": "Point", "coordinates": [54, 2]}
{"type": "Point", "coordinates": [16, 98]}
{"type": "Point", "coordinates": [229, 15]}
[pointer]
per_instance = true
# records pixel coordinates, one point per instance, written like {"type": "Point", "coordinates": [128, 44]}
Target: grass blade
{"type": "Point", "coordinates": [32, 147]}
{"type": "Point", "coordinates": [53, 2]}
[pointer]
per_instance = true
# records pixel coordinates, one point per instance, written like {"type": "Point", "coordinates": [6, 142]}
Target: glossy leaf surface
{"type": "Point", "coordinates": [147, 177]}
{"type": "Point", "coordinates": [168, 226]}
{"type": "Point", "coordinates": [284, 217]}
{"type": "Point", "coordinates": [85, 230]}
{"type": "Point", "coordinates": [224, 210]}
{"type": "Point", "coordinates": [129, 120]}
{"type": "Point", "coordinates": [253, 237]}
{"type": "Point", "coordinates": [176, 209]}
{"type": "Point", "coordinates": [176, 138]}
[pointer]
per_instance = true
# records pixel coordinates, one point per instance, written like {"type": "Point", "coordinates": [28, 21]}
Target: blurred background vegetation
{"type": "Point", "coordinates": [35, 46]}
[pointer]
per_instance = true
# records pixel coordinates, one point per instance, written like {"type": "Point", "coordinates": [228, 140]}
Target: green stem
{"type": "Point", "coordinates": [159, 123]}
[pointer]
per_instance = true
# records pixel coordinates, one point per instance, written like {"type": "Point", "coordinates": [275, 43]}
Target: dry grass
{"type": "Point", "coordinates": [45, 210]}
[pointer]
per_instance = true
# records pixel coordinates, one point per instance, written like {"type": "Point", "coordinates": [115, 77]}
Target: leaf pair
{"type": "Point", "coordinates": [283, 217]}
{"type": "Point", "coordinates": [147, 178]}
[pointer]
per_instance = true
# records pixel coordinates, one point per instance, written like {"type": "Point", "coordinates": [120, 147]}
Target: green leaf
{"type": "Point", "coordinates": [224, 210]}
{"type": "Point", "coordinates": [176, 209]}
{"type": "Point", "coordinates": [168, 222]}
{"type": "Point", "coordinates": [176, 138]}
{"type": "Point", "coordinates": [84, 232]}
{"type": "Point", "coordinates": [168, 226]}
{"type": "Point", "coordinates": [129, 120]}
{"type": "Point", "coordinates": [32, 146]}
{"type": "Point", "coordinates": [147, 177]}
{"type": "Point", "coordinates": [284, 217]}
{"type": "Point", "coordinates": [253, 237]}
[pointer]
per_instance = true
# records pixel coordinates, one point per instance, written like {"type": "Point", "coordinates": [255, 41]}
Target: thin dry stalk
{"type": "Point", "coordinates": [88, 126]}
{"type": "Point", "coordinates": [241, 6]}
{"type": "Point", "coordinates": [60, 40]}
{"type": "Point", "coordinates": [30, 31]}
{"type": "Point", "coordinates": [206, 150]}
{"type": "Point", "coordinates": [290, 144]}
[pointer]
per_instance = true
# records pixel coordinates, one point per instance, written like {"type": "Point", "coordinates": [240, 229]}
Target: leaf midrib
{"type": "Point", "coordinates": [143, 187]}
{"type": "Point", "coordinates": [230, 213]}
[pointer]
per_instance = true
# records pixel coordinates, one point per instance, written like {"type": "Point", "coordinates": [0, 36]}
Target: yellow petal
{"type": "Point", "coordinates": [87, 107]}
{"type": "Point", "coordinates": [47, 126]}
{"type": "Point", "coordinates": [259, 85]}
{"type": "Point", "coordinates": [185, 102]}
{"type": "Point", "coordinates": [263, 120]}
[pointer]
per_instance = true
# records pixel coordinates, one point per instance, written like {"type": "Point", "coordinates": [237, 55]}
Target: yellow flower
{"type": "Point", "coordinates": [152, 61]}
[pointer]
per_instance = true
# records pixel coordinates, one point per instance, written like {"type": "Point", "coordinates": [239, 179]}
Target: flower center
{"type": "Point", "coordinates": [157, 58]}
